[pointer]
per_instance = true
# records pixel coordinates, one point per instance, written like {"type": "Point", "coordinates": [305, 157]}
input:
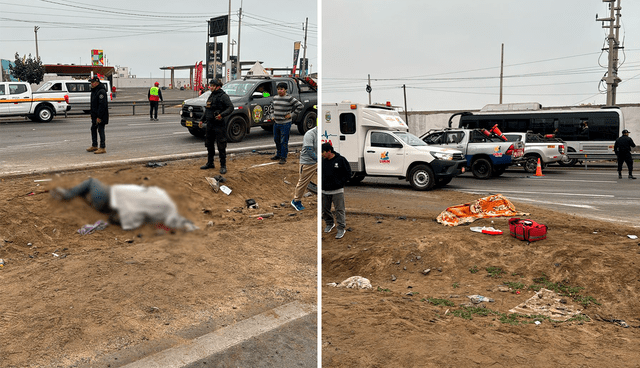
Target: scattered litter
{"type": "Point", "coordinates": [41, 180]}
{"type": "Point", "coordinates": [486, 230]}
{"type": "Point", "coordinates": [425, 272]}
{"type": "Point", "coordinates": [614, 320]}
{"type": "Point", "coordinates": [354, 282]}
{"type": "Point", "coordinates": [537, 322]}
{"type": "Point", "coordinates": [225, 189]}
{"type": "Point", "coordinates": [547, 303]}
{"type": "Point", "coordinates": [220, 178]}
{"type": "Point", "coordinates": [55, 255]}
{"type": "Point", "coordinates": [251, 203]}
{"type": "Point", "coordinates": [632, 236]}
{"type": "Point", "coordinates": [286, 181]}
{"type": "Point", "coordinates": [270, 163]}
{"type": "Point", "coordinates": [491, 206]}
{"type": "Point", "coordinates": [477, 299]}
{"type": "Point", "coordinates": [156, 164]}
{"type": "Point", "coordinates": [213, 183]}
{"type": "Point", "coordinates": [210, 224]}
{"type": "Point", "coordinates": [1, 262]}
{"type": "Point", "coordinates": [332, 284]}
{"type": "Point", "coordinates": [30, 194]}
{"type": "Point", "coordinates": [90, 228]}
{"type": "Point", "coordinates": [263, 215]}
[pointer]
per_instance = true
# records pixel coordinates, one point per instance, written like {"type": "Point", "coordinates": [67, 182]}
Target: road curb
{"type": "Point", "coordinates": [224, 338]}
{"type": "Point", "coordinates": [173, 157]}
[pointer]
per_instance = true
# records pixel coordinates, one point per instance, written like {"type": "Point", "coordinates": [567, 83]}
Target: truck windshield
{"type": "Point", "coordinates": [410, 139]}
{"type": "Point", "coordinates": [45, 87]}
{"type": "Point", "coordinates": [238, 88]}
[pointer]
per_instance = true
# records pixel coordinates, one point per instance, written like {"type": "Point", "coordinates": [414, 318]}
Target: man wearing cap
{"type": "Point", "coordinates": [99, 115]}
{"type": "Point", "coordinates": [154, 95]}
{"type": "Point", "coordinates": [622, 148]}
{"type": "Point", "coordinates": [217, 108]}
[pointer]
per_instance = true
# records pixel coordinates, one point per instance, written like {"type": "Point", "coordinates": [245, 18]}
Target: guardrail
{"type": "Point", "coordinates": [597, 156]}
{"type": "Point", "coordinates": [143, 104]}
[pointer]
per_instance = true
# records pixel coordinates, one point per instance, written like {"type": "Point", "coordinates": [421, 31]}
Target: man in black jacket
{"type": "Point", "coordinates": [218, 107]}
{"type": "Point", "coordinates": [335, 174]}
{"type": "Point", "coordinates": [622, 148]}
{"type": "Point", "coordinates": [99, 115]}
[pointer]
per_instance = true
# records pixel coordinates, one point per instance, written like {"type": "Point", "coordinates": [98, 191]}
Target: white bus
{"type": "Point", "coordinates": [597, 137]}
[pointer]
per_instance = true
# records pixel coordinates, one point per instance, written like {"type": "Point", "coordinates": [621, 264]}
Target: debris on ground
{"type": "Point", "coordinates": [547, 303]}
{"type": "Point", "coordinates": [90, 228]}
{"type": "Point", "coordinates": [353, 282]}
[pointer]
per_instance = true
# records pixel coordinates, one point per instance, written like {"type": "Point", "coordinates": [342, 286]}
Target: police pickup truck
{"type": "Point", "coordinates": [17, 99]}
{"type": "Point", "coordinates": [252, 99]}
{"type": "Point", "coordinates": [487, 154]}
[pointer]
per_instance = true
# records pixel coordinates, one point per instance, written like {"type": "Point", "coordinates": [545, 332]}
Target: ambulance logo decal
{"type": "Point", "coordinates": [384, 158]}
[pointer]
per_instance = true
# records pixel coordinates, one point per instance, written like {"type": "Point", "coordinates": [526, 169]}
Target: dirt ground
{"type": "Point", "coordinates": [414, 318]}
{"type": "Point", "coordinates": [70, 300]}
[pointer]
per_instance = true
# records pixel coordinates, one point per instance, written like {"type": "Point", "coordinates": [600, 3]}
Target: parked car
{"type": "Point", "coordinates": [17, 99]}
{"type": "Point", "coordinates": [78, 90]}
{"type": "Point", "coordinates": [252, 106]}
{"type": "Point", "coordinates": [548, 150]}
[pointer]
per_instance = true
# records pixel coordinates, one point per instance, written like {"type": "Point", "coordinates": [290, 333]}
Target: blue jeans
{"type": "Point", "coordinates": [281, 137]}
{"type": "Point", "coordinates": [98, 194]}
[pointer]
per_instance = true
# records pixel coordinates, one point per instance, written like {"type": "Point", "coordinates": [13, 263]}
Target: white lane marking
{"type": "Point", "coordinates": [156, 123]}
{"type": "Point", "coordinates": [523, 199]}
{"type": "Point", "coordinates": [545, 193]}
{"type": "Point", "coordinates": [580, 181]}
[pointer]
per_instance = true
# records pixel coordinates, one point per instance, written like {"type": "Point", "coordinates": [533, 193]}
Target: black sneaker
{"type": "Point", "coordinates": [283, 161]}
{"type": "Point", "coordinates": [275, 158]}
{"type": "Point", "coordinates": [631, 177]}
{"type": "Point", "coordinates": [208, 166]}
{"type": "Point", "coordinates": [619, 176]}
{"type": "Point", "coordinates": [223, 170]}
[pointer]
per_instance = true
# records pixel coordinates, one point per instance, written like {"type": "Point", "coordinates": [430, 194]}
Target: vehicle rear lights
{"type": "Point", "coordinates": [66, 98]}
{"type": "Point", "coordinates": [510, 150]}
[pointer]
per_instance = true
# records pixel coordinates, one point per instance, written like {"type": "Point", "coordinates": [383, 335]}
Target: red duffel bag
{"type": "Point", "coordinates": [527, 230]}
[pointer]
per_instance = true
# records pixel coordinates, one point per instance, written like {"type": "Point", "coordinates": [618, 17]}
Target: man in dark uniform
{"type": "Point", "coordinates": [217, 108]}
{"type": "Point", "coordinates": [622, 148]}
{"type": "Point", "coordinates": [99, 115]}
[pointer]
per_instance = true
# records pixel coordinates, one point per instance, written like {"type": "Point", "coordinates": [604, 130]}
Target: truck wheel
{"type": "Point", "coordinates": [421, 178]}
{"type": "Point", "coordinates": [531, 163]}
{"type": "Point", "coordinates": [481, 168]}
{"type": "Point", "coordinates": [197, 132]}
{"type": "Point", "coordinates": [442, 182]}
{"type": "Point", "coordinates": [308, 122]}
{"type": "Point", "coordinates": [44, 114]}
{"type": "Point", "coordinates": [236, 129]}
{"type": "Point", "coordinates": [566, 161]}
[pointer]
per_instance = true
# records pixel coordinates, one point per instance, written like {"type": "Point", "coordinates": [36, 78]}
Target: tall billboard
{"type": "Point", "coordinates": [97, 58]}
{"type": "Point", "coordinates": [214, 54]}
{"type": "Point", "coordinates": [296, 52]}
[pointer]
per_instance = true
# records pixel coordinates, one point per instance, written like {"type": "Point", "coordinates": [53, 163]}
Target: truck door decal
{"type": "Point", "coordinates": [497, 152]}
{"type": "Point", "coordinates": [326, 137]}
{"type": "Point", "coordinates": [257, 113]}
{"type": "Point", "coordinates": [384, 158]}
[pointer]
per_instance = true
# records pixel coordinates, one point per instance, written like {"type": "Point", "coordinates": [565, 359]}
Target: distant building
{"type": "Point", "coordinates": [5, 72]}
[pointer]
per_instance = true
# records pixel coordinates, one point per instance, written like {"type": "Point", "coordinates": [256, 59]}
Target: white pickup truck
{"type": "Point", "coordinates": [548, 150]}
{"type": "Point", "coordinates": [17, 99]}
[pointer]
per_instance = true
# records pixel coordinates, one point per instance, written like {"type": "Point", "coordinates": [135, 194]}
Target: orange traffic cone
{"type": "Point", "coordinates": [539, 169]}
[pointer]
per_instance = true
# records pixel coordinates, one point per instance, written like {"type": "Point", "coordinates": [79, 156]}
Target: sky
{"type": "Point", "coordinates": [146, 35]}
{"type": "Point", "coordinates": [447, 53]}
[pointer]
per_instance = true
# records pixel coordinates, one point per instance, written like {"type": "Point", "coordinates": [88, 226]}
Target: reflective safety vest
{"type": "Point", "coordinates": [153, 94]}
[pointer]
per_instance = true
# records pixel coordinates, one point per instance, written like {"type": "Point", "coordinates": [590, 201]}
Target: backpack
{"type": "Point", "coordinates": [528, 230]}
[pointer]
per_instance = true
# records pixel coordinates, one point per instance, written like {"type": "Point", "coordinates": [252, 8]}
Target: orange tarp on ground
{"type": "Point", "coordinates": [491, 206]}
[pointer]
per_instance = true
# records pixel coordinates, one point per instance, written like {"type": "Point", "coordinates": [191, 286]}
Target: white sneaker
{"type": "Point", "coordinates": [329, 228]}
{"type": "Point", "coordinates": [340, 233]}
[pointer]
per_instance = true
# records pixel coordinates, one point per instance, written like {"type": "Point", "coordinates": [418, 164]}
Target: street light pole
{"type": "Point", "coordinates": [35, 30]}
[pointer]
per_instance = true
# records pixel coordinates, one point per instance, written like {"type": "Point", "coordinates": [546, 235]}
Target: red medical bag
{"type": "Point", "coordinates": [527, 230]}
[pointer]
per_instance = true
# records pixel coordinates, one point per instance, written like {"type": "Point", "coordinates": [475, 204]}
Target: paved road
{"type": "Point", "coordinates": [595, 192]}
{"type": "Point", "coordinates": [27, 146]}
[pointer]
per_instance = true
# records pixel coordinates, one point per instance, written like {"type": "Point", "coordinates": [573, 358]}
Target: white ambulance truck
{"type": "Point", "coordinates": [376, 142]}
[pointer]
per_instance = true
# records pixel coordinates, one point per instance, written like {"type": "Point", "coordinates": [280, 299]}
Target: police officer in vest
{"type": "Point", "coordinates": [154, 95]}
{"type": "Point", "coordinates": [217, 108]}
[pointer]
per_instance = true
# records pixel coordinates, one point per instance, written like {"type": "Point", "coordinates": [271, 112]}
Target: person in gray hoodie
{"type": "Point", "coordinates": [308, 166]}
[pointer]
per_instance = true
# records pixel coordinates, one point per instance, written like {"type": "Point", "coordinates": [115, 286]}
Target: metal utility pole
{"type": "Point", "coordinates": [406, 114]}
{"type": "Point", "coordinates": [303, 70]}
{"type": "Point", "coordinates": [238, 65]}
{"type": "Point", "coordinates": [35, 30]}
{"type": "Point", "coordinates": [229, 35]}
{"type": "Point", "coordinates": [369, 87]}
{"type": "Point", "coordinates": [611, 78]}
{"type": "Point", "coordinates": [501, 69]}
